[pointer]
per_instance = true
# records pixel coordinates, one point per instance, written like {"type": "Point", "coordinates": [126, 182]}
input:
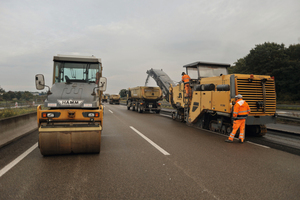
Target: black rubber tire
{"type": "Point", "coordinates": [139, 109]}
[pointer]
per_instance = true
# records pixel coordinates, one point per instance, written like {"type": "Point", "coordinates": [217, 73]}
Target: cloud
{"type": "Point", "coordinates": [131, 38]}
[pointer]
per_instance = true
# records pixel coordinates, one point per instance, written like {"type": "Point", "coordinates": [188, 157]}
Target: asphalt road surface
{"type": "Point", "coordinates": [149, 156]}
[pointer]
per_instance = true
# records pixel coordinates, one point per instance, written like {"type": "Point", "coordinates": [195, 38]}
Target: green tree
{"type": "Point", "coordinates": [27, 96]}
{"type": "Point", "coordinates": [274, 60]}
{"type": "Point", "coordinates": [240, 66]}
{"type": "Point", "coordinates": [288, 77]}
{"type": "Point", "coordinates": [12, 95]}
{"type": "Point", "coordinates": [18, 95]}
{"type": "Point", "coordinates": [2, 90]}
{"type": "Point", "coordinates": [265, 58]}
{"type": "Point", "coordinates": [123, 93]}
{"type": "Point", "coordinates": [6, 96]}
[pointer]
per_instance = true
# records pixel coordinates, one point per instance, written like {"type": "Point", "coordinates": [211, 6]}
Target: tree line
{"type": "Point", "coordinates": [275, 60]}
{"type": "Point", "coordinates": [16, 96]}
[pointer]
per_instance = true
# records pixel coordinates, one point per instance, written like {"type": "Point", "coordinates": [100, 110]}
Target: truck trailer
{"type": "Point", "coordinates": [114, 99]}
{"type": "Point", "coordinates": [143, 98]}
{"type": "Point", "coordinates": [104, 98]}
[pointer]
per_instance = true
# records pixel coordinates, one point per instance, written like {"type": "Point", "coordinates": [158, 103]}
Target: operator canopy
{"type": "Point", "coordinates": [198, 70]}
{"type": "Point", "coordinates": [76, 69]}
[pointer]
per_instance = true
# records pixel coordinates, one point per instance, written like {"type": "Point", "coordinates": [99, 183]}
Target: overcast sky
{"type": "Point", "coordinates": [132, 36]}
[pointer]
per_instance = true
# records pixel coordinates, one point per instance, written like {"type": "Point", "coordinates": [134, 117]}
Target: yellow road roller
{"type": "Point", "coordinates": [73, 118]}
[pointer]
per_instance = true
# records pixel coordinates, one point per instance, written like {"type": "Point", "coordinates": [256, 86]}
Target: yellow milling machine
{"type": "Point", "coordinates": [212, 97]}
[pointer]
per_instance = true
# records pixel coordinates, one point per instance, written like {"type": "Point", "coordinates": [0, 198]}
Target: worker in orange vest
{"type": "Point", "coordinates": [186, 80]}
{"type": "Point", "coordinates": [241, 110]}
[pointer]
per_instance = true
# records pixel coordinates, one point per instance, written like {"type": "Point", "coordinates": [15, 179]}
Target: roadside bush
{"type": "Point", "coordinates": [11, 112]}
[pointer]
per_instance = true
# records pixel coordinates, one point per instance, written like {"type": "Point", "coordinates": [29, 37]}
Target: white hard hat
{"type": "Point", "coordinates": [239, 96]}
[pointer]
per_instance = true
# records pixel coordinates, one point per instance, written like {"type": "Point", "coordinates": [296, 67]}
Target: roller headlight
{"type": "Point", "coordinates": [91, 115]}
{"type": "Point", "coordinates": [48, 115]}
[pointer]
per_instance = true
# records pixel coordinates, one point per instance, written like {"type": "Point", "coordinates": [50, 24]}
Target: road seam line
{"type": "Point", "coordinates": [110, 111]}
{"type": "Point", "coordinates": [17, 160]}
{"type": "Point", "coordinates": [151, 142]}
{"type": "Point", "coordinates": [258, 145]}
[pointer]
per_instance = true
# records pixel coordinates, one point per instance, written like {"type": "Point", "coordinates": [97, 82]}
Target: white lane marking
{"type": "Point", "coordinates": [151, 142]}
{"type": "Point", "coordinates": [259, 145]}
{"type": "Point", "coordinates": [17, 160]}
{"type": "Point", "coordinates": [110, 111]}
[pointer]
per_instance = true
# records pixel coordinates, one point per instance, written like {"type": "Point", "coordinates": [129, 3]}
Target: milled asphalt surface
{"type": "Point", "coordinates": [200, 166]}
{"type": "Point", "coordinates": [285, 128]}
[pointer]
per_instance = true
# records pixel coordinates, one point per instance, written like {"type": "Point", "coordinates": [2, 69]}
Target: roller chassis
{"type": "Point", "coordinates": [63, 134]}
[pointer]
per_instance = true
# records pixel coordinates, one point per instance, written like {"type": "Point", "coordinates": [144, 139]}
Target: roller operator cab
{"type": "Point", "coordinates": [212, 96]}
{"type": "Point", "coordinates": [72, 122]}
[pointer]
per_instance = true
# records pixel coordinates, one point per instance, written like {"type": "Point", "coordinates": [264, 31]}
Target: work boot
{"type": "Point", "coordinates": [229, 141]}
{"type": "Point", "coordinates": [241, 141]}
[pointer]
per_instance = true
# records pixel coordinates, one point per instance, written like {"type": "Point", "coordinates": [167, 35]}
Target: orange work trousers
{"type": "Point", "coordinates": [187, 90]}
{"type": "Point", "coordinates": [238, 124]}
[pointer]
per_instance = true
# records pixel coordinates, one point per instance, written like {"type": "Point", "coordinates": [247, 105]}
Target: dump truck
{"type": "Point", "coordinates": [212, 96]}
{"type": "Point", "coordinates": [105, 98]}
{"type": "Point", "coordinates": [114, 99]}
{"type": "Point", "coordinates": [143, 98]}
{"type": "Point", "coordinates": [73, 118]}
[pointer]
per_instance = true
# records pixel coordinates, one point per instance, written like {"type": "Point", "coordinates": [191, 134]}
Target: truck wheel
{"type": "Point", "coordinates": [174, 115]}
{"type": "Point", "coordinates": [157, 111]}
{"type": "Point", "coordinates": [140, 110]}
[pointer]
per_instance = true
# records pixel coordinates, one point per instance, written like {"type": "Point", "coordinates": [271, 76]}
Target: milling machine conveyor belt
{"type": "Point", "coordinates": [161, 79]}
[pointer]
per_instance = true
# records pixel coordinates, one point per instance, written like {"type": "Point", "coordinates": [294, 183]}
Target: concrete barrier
{"type": "Point", "coordinates": [14, 127]}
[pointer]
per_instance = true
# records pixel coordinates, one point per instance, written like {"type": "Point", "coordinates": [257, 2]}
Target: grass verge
{"type": "Point", "coordinates": [11, 112]}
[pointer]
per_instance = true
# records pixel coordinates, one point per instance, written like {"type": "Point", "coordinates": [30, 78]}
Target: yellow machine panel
{"type": "Point", "coordinates": [206, 100]}
{"type": "Point", "coordinates": [195, 107]}
{"type": "Point", "coordinates": [221, 101]}
{"type": "Point", "coordinates": [178, 95]}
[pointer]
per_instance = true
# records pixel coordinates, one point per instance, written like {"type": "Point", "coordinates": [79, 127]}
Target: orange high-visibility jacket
{"type": "Point", "coordinates": [241, 109]}
{"type": "Point", "coordinates": [186, 78]}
